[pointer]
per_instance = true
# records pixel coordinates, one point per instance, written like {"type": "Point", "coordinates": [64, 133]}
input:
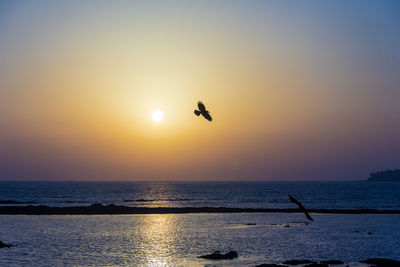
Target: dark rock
{"type": "Point", "coordinates": [370, 233]}
{"type": "Point", "coordinates": [218, 256]}
{"type": "Point", "coordinates": [317, 265]}
{"type": "Point", "coordinates": [119, 209]}
{"type": "Point", "coordinates": [271, 265]}
{"type": "Point", "coordinates": [249, 224]}
{"type": "Point", "coordinates": [296, 262]}
{"type": "Point", "coordinates": [96, 205]}
{"type": "Point", "coordinates": [3, 245]}
{"type": "Point", "coordinates": [332, 262]}
{"type": "Point", "coordinates": [379, 262]}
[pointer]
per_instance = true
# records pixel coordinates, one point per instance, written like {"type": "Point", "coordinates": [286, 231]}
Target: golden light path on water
{"type": "Point", "coordinates": [158, 235]}
{"type": "Point", "coordinates": [158, 239]}
{"type": "Point", "coordinates": [178, 239]}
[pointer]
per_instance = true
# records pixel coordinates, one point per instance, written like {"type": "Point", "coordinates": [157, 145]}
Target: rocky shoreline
{"type": "Point", "coordinates": [98, 209]}
{"type": "Point", "coordinates": [373, 262]}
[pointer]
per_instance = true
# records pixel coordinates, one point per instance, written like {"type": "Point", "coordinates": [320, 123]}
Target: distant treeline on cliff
{"type": "Point", "coordinates": [388, 175]}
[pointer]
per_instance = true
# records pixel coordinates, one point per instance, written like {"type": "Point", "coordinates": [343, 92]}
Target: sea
{"type": "Point", "coordinates": [178, 239]}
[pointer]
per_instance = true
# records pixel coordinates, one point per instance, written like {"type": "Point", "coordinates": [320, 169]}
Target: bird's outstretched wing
{"type": "Point", "coordinates": [207, 116]}
{"type": "Point", "coordinates": [293, 200]}
{"type": "Point", "coordinates": [308, 215]}
{"type": "Point", "coordinates": [201, 106]}
{"type": "Point", "coordinates": [301, 207]}
{"type": "Point", "coordinates": [197, 112]}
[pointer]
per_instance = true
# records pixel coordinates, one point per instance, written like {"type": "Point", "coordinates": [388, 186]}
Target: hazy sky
{"type": "Point", "coordinates": [299, 90]}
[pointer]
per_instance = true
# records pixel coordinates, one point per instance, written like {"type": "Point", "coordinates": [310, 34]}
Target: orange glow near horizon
{"type": "Point", "coordinates": [78, 85]}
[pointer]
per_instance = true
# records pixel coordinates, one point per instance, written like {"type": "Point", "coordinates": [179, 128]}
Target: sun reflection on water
{"type": "Point", "coordinates": [158, 239]}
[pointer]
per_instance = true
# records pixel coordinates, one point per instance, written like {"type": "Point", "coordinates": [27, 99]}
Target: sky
{"type": "Point", "coordinates": [299, 90]}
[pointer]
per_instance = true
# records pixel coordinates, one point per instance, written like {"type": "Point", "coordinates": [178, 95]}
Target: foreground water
{"type": "Point", "coordinates": [177, 239]}
{"type": "Point", "coordinates": [318, 195]}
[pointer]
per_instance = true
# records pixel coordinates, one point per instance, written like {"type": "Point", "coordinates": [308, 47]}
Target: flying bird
{"type": "Point", "coordinates": [202, 111]}
{"type": "Point", "coordinates": [301, 207]}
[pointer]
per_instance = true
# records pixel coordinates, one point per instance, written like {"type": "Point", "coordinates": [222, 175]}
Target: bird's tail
{"type": "Point", "coordinates": [197, 112]}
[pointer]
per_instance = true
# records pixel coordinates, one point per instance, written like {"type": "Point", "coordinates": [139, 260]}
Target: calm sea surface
{"type": "Point", "coordinates": [329, 195]}
{"type": "Point", "coordinates": [177, 239]}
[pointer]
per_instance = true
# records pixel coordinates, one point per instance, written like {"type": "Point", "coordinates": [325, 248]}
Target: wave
{"type": "Point", "coordinates": [158, 200]}
{"type": "Point", "coordinates": [10, 201]}
{"type": "Point", "coordinates": [250, 201]}
{"type": "Point", "coordinates": [72, 202]}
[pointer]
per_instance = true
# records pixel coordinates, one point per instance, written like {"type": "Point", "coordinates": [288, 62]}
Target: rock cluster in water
{"type": "Point", "coordinates": [3, 245]}
{"type": "Point", "coordinates": [375, 262]}
{"type": "Point", "coordinates": [119, 209]}
{"type": "Point", "coordinates": [218, 256]}
{"type": "Point", "coordinates": [297, 262]}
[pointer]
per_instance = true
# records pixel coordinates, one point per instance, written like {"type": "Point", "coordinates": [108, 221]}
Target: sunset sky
{"type": "Point", "coordinates": [298, 90]}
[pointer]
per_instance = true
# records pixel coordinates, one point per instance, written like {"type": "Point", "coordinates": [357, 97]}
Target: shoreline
{"type": "Point", "coordinates": [99, 209]}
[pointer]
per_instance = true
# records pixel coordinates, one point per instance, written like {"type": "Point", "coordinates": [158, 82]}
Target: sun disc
{"type": "Point", "coordinates": [157, 115]}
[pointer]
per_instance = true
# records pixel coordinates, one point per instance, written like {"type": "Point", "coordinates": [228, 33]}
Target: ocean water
{"type": "Point", "coordinates": [328, 195]}
{"type": "Point", "coordinates": [178, 239]}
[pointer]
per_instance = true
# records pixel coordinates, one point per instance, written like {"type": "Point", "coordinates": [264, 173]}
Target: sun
{"type": "Point", "coordinates": [157, 115]}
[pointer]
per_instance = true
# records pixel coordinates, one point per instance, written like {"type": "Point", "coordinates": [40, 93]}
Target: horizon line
{"type": "Point", "coordinates": [179, 181]}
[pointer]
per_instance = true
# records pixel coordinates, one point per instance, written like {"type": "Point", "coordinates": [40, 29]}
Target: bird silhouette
{"type": "Point", "coordinates": [202, 111]}
{"type": "Point", "coordinates": [301, 207]}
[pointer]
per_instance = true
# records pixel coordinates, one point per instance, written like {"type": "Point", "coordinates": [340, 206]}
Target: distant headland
{"type": "Point", "coordinates": [385, 176]}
